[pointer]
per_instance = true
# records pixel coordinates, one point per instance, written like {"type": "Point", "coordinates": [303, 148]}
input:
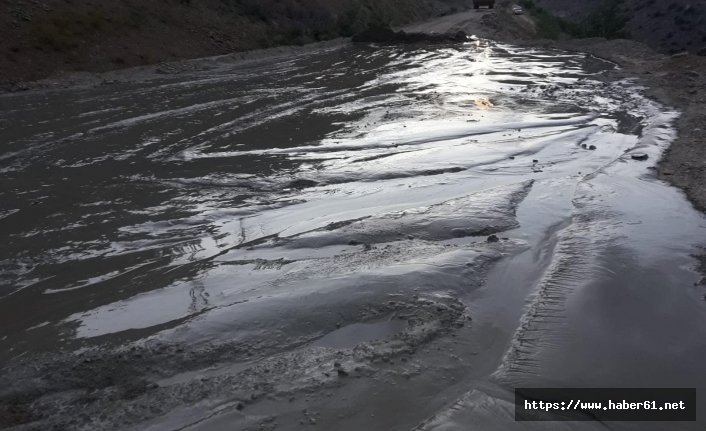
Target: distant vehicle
{"type": "Point", "coordinates": [517, 10]}
{"type": "Point", "coordinates": [479, 3]}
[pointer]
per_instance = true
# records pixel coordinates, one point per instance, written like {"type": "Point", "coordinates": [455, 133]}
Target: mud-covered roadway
{"type": "Point", "coordinates": [364, 237]}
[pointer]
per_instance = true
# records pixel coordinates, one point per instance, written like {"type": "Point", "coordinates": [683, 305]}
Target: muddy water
{"type": "Point", "coordinates": [303, 242]}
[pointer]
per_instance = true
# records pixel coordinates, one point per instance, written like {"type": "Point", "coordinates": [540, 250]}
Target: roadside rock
{"type": "Point", "coordinates": [639, 156]}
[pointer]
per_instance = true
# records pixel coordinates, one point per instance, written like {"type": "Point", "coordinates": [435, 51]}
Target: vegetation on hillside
{"type": "Point", "coordinates": [607, 20]}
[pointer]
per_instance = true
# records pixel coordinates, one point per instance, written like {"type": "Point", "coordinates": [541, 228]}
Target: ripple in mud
{"type": "Point", "coordinates": [478, 214]}
{"type": "Point", "coordinates": [118, 388]}
{"type": "Point", "coordinates": [217, 247]}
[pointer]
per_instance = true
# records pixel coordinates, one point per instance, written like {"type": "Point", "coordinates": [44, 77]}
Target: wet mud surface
{"type": "Point", "coordinates": [383, 238]}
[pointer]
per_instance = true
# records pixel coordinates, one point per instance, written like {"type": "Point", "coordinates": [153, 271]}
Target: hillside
{"type": "Point", "coordinates": [39, 38]}
{"type": "Point", "coordinates": [673, 26]}
{"type": "Point", "coordinates": [667, 26]}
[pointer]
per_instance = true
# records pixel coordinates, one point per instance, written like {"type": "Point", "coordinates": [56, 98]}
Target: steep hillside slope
{"type": "Point", "coordinates": [667, 26]}
{"type": "Point", "coordinates": [42, 37]}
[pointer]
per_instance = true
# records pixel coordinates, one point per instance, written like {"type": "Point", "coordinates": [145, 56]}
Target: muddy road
{"type": "Point", "coordinates": [378, 238]}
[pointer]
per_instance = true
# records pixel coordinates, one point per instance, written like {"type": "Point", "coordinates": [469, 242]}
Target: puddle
{"type": "Point", "coordinates": [351, 335]}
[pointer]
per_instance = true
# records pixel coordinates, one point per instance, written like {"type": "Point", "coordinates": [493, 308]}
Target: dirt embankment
{"type": "Point", "coordinates": [681, 82]}
{"type": "Point", "coordinates": [40, 38]}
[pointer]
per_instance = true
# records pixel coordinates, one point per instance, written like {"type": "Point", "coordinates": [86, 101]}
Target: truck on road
{"type": "Point", "coordinates": [479, 3]}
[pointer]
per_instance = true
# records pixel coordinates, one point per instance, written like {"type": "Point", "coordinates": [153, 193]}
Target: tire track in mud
{"type": "Point", "coordinates": [595, 227]}
{"type": "Point", "coordinates": [575, 264]}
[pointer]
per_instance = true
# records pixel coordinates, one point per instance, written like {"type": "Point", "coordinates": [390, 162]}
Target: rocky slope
{"type": "Point", "coordinates": [667, 26]}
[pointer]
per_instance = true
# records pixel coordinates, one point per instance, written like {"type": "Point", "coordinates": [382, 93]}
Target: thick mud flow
{"type": "Point", "coordinates": [365, 238]}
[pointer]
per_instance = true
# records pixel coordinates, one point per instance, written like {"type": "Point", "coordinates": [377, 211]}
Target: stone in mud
{"type": "Point", "coordinates": [639, 156]}
{"type": "Point", "coordinates": [493, 238]}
